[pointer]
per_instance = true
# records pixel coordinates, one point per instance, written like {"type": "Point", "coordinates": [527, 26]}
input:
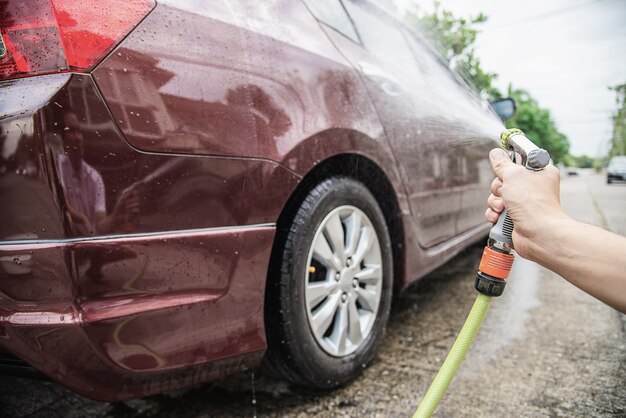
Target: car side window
{"type": "Point", "coordinates": [332, 13]}
{"type": "Point", "coordinates": [379, 35]}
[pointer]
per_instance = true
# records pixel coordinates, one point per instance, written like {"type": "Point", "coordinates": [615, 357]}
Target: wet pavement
{"type": "Point", "coordinates": [546, 349]}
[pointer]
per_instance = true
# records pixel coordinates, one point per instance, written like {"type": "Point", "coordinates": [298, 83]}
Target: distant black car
{"type": "Point", "coordinates": [616, 169]}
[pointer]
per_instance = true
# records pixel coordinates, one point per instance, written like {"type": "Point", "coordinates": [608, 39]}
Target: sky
{"type": "Point", "coordinates": [565, 53]}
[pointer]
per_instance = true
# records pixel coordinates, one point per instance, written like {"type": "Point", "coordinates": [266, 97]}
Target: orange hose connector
{"type": "Point", "coordinates": [496, 264]}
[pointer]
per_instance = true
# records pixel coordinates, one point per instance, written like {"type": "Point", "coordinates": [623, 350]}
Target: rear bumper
{"type": "Point", "coordinates": [153, 300]}
{"type": "Point", "coordinates": [166, 310]}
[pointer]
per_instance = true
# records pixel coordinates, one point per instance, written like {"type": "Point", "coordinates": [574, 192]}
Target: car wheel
{"type": "Point", "coordinates": [328, 302]}
{"type": "Point", "coordinates": [609, 180]}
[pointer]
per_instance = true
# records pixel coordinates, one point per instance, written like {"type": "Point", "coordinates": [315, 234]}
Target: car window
{"type": "Point", "coordinates": [380, 34]}
{"type": "Point", "coordinates": [332, 13]}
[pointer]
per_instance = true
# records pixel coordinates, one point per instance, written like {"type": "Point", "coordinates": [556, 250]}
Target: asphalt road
{"type": "Point", "coordinates": [546, 350]}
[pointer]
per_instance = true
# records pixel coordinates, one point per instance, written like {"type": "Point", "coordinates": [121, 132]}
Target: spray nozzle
{"type": "Point", "coordinates": [533, 157]}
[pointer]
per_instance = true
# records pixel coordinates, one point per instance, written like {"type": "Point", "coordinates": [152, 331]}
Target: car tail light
{"type": "Point", "coordinates": [49, 36]}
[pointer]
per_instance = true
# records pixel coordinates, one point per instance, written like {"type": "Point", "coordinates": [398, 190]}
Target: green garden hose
{"type": "Point", "coordinates": [455, 357]}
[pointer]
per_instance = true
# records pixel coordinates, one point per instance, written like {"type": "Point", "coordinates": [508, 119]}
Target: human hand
{"type": "Point", "coordinates": [531, 198]}
{"type": "Point", "coordinates": [77, 218]}
{"type": "Point", "coordinates": [128, 204]}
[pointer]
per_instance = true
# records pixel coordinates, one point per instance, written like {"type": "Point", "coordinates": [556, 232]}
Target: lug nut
{"type": "Point", "coordinates": [337, 276]}
{"type": "Point", "coordinates": [355, 283]}
{"type": "Point", "coordinates": [348, 261]}
{"type": "Point", "coordinates": [344, 297]}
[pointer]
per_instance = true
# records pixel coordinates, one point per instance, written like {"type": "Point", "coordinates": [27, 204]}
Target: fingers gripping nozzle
{"type": "Point", "coordinates": [497, 259]}
{"type": "Point", "coordinates": [533, 157]}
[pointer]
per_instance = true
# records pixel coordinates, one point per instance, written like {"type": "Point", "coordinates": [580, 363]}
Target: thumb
{"type": "Point", "coordinates": [500, 160]}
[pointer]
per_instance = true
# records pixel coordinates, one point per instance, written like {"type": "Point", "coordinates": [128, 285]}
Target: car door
{"type": "Point", "coordinates": [439, 131]}
{"type": "Point", "coordinates": [415, 125]}
{"type": "Point", "coordinates": [471, 130]}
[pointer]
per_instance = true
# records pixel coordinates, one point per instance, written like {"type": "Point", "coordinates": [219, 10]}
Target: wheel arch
{"type": "Point", "coordinates": [368, 172]}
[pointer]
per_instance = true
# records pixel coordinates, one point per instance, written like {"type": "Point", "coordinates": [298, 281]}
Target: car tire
{"type": "Point", "coordinates": [609, 180]}
{"type": "Point", "coordinates": [326, 313]}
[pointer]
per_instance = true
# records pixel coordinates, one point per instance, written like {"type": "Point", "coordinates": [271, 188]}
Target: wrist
{"type": "Point", "coordinates": [545, 241]}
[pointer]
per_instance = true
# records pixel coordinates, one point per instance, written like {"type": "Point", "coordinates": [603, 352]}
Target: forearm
{"type": "Point", "coordinates": [589, 257]}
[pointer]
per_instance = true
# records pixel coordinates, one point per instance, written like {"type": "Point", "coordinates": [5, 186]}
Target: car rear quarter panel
{"type": "Point", "coordinates": [235, 79]}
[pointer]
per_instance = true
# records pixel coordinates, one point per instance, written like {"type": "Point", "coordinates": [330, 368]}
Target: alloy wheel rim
{"type": "Point", "coordinates": [344, 282]}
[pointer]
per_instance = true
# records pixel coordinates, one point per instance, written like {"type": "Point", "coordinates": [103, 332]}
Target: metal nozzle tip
{"type": "Point", "coordinates": [505, 135]}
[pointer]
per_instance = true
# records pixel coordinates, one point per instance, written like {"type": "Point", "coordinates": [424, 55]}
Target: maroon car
{"type": "Point", "coordinates": [190, 188]}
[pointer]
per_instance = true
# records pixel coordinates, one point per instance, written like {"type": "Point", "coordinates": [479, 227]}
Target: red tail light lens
{"type": "Point", "coordinates": [46, 36]}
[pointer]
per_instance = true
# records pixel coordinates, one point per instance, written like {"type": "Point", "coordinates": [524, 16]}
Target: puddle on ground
{"type": "Point", "coordinates": [506, 318]}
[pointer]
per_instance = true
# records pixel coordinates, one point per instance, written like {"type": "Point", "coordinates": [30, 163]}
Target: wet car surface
{"type": "Point", "coordinates": [203, 188]}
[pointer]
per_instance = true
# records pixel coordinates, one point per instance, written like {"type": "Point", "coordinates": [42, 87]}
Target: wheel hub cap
{"type": "Point", "coordinates": [347, 276]}
{"type": "Point", "coordinates": [343, 284]}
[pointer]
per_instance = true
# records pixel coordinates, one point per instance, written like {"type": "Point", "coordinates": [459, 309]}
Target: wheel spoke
{"type": "Point", "coordinates": [323, 253]}
{"type": "Point", "coordinates": [340, 330]}
{"type": "Point", "coordinates": [367, 299]}
{"type": "Point", "coordinates": [323, 317]}
{"type": "Point", "coordinates": [354, 322]}
{"type": "Point", "coordinates": [318, 291]}
{"type": "Point", "coordinates": [334, 232]}
{"type": "Point", "coordinates": [364, 244]}
{"type": "Point", "coordinates": [353, 231]}
{"type": "Point", "coordinates": [371, 274]}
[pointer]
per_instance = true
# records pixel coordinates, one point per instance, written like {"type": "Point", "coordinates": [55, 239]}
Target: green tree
{"type": "Point", "coordinates": [582, 161]}
{"type": "Point", "coordinates": [537, 124]}
{"type": "Point", "coordinates": [618, 141]}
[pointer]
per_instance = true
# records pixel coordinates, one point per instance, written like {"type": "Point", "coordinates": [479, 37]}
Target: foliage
{"type": "Point", "coordinates": [582, 161]}
{"type": "Point", "coordinates": [537, 124]}
{"type": "Point", "coordinates": [618, 141]}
